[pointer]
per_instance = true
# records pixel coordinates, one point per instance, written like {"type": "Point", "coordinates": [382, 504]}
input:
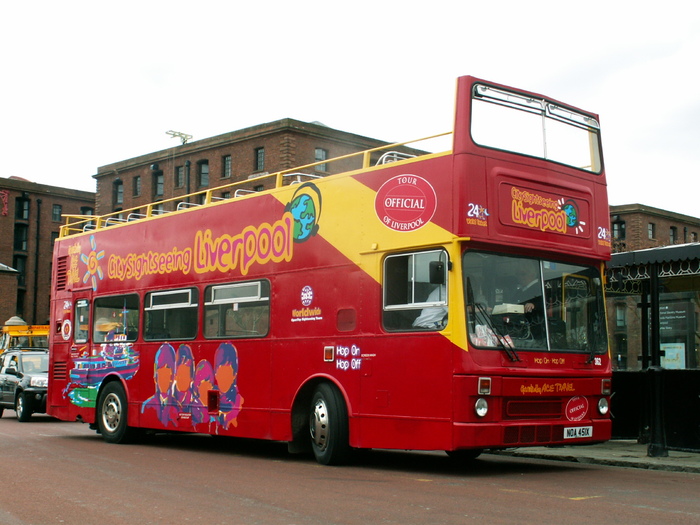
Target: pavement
{"type": "Point", "coordinates": [619, 453]}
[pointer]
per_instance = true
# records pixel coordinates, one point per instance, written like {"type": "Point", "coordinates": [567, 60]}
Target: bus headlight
{"type": "Point", "coordinates": [603, 406]}
{"type": "Point", "coordinates": [481, 407]}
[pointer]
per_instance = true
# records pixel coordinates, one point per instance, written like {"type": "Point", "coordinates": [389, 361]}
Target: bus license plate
{"type": "Point", "coordinates": [578, 432]}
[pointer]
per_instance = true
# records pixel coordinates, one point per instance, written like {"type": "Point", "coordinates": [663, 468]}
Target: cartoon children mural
{"type": "Point", "coordinates": [184, 374]}
{"type": "Point", "coordinates": [162, 400]}
{"type": "Point", "coordinates": [182, 391]}
{"type": "Point", "coordinates": [204, 381]}
{"type": "Point", "coordinates": [226, 372]}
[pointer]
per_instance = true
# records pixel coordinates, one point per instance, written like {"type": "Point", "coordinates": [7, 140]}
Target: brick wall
{"type": "Point", "coordinates": [8, 297]}
{"type": "Point", "coordinates": [30, 299]}
{"type": "Point", "coordinates": [637, 218]}
{"type": "Point", "coordinates": [288, 143]}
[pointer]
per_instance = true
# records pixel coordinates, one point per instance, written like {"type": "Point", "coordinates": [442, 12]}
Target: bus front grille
{"type": "Point", "coordinates": [532, 409]}
{"type": "Point", "coordinates": [529, 434]}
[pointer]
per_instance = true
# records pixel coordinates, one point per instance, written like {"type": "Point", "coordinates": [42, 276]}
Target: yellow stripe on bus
{"type": "Point", "coordinates": [365, 235]}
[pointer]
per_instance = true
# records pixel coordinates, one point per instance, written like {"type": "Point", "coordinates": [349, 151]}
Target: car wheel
{"type": "Point", "coordinates": [112, 411]}
{"type": "Point", "coordinates": [24, 411]}
{"type": "Point", "coordinates": [328, 426]}
{"type": "Point", "coordinates": [2, 409]}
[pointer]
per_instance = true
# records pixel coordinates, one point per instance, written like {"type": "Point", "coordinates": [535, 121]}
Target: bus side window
{"type": "Point", "coordinates": [415, 291]}
{"type": "Point", "coordinates": [237, 310]}
{"type": "Point", "coordinates": [116, 318]}
{"type": "Point", "coordinates": [171, 314]}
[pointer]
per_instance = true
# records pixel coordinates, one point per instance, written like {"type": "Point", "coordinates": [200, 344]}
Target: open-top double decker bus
{"type": "Point", "coordinates": [448, 301]}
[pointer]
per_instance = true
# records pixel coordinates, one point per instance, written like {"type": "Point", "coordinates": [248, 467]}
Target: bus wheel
{"type": "Point", "coordinates": [24, 411]}
{"type": "Point", "coordinates": [112, 414]}
{"type": "Point", "coordinates": [328, 425]}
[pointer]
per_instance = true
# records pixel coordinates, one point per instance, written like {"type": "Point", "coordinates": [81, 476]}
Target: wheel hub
{"type": "Point", "coordinates": [319, 425]}
{"type": "Point", "coordinates": [111, 412]}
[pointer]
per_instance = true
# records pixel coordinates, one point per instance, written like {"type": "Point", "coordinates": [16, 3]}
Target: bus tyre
{"type": "Point", "coordinates": [328, 426]}
{"type": "Point", "coordinates": [112, 414]}
{"type": "Point", "coordinates": [24, 411]}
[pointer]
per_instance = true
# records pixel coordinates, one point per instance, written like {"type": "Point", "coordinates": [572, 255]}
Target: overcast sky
{"type": "Point", "coordinates": [89, 83]}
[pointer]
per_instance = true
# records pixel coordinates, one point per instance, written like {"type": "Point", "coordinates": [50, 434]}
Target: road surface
{"type": "Point", "coordinates": [59, 472]}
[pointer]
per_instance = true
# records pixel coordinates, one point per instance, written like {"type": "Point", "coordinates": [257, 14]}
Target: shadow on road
{"type": "Point", "coordinates": [429, 463]}
{"type": "Point", "coordinates": [36, 418]}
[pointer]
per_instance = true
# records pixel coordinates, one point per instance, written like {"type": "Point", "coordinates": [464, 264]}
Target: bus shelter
{"type": "Point", "coordinates": [653, 308]}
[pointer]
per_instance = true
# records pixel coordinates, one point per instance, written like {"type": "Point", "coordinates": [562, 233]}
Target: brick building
{"type": "Point", "coordinates": [8, 285]}
{"type": "Point", "coordinates": [638, 227]}
{"type": "Point", "coordinates": [225, 159]}
{"type": "Point", "coordinates": [30, 218]}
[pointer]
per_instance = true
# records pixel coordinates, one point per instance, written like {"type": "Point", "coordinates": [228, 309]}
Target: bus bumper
{"type": "Point", "coordinates": [529, 434]}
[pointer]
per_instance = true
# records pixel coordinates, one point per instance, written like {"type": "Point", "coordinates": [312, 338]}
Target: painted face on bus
{"type": "Point", "coordinates": [203, 389]}
{"type": "Point", "coordinates": [184, 371]}
{"type": "Point", "coordinates": [204, 380]}
{"type": "Point", "coordinates": [164, 378]}
{"type": "Point", "coordinates": [226, 366]}
{"type": "Point", "coordinates": [183, 378]}
{"type": "Point", "coordinates": [225, 376]}
{"type": "Point", "coordinates": [164, 366]}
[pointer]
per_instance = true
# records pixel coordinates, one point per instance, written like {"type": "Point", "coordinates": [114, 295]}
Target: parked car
{"type": "Point", "coordinates": [24, 380]}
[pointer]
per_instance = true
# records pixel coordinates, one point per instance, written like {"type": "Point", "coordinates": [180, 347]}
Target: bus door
{"type": "Point", "coordinates": [80, 345]}
{"type": "Point", "coordinates": [69, 343]}
{"type": "Point", "coordinates": [71, 329]}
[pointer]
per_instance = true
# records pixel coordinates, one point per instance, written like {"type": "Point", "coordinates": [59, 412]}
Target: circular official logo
{"type": "Point", "coordinates": [405, 203]}
{"type": "Point", "coordinates": [576, 408]}
{"type": "Point", "coordinates": [66, 329]}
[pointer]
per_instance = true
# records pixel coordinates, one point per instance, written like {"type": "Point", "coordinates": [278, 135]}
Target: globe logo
{"type": "Point", "coordinates": [303, 210]}
{"type": "Point", "coordinates": [571, 213]}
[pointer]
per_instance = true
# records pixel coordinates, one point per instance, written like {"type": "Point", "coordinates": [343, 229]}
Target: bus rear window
{"type": "Point", "coordinates": [534, 127]}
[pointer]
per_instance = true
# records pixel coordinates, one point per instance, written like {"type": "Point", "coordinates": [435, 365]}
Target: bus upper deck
{"type": "Point", "coordinates": [555, 186]}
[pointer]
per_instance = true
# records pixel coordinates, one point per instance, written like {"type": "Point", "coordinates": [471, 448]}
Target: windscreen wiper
{"type": "Point", "coordinates": [501, 337]}
{"type": "Point", "coordinates": [593, 343]}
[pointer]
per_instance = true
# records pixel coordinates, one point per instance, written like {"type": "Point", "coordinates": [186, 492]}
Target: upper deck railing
{"type": "Point", "coordinates": [81, 223]}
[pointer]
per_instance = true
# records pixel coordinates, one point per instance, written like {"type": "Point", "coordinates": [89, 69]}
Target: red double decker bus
{"type": "Point", "coordinates": [448, 301]}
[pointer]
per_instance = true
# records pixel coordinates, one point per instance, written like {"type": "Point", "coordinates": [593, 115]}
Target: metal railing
{"type": "Point", "coordinates": [82, 223]}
